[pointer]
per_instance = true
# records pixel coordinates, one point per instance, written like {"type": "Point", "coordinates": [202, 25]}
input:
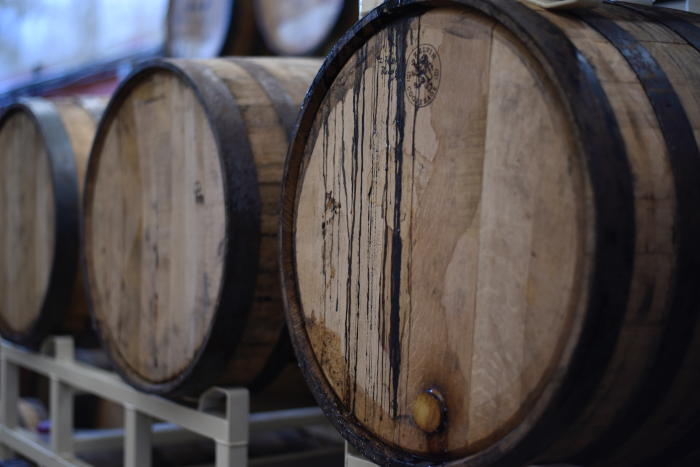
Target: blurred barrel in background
{"type": "Point", "coordinates": [211, 28]}
{"type": "Point", "coordinates": [180, 222]}
{"type": "Point", "coordinates": [304, 27]}
{"type": "Point", "coordinates": [44, 149]}
{"type": "Point", "coordinates": [489, 235]}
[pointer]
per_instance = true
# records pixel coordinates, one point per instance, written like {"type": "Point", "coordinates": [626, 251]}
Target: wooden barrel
{"type": "Point", "coordinates": [210, 28]}
{"type": "Point", "coordinates": [304, 27]}
{"type": "Point", "coordinates": [44, 149]}
{"type": "Point", "coordinates": [180, 222]}
{"type": "Point", "coordinates": [489, 235]}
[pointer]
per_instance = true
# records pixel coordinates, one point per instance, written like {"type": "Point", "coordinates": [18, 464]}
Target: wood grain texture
{"type": "Point", "coordinates": [458, 235]}
{"type": "Point", "coordinates": [671, 407]}
{"type": "Point", "coordinates": [28, 214]}
{"type": "Point", "coordinates": [654, 214]}
{"type": "Point", "coordinates": [161, 225]}
{"type": "Point", "coordinates": [34, 218]}
{"type": "Point", "coordinates": [456, 171]}
{"type": "Point", "coordinates": [303, 27]}
{"type": "Point", "coordinates": [157, 224]}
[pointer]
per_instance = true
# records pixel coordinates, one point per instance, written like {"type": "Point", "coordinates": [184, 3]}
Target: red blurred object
{"type": "Point", "coordinates": [103, 87]}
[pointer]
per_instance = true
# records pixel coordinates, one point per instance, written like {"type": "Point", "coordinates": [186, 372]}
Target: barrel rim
{"type": "Point", "coordinates": [611, 181]}
{"type": "Point", "coordinates": [64, 181]}
{"type": "Point", "coordinates": [242, 227]}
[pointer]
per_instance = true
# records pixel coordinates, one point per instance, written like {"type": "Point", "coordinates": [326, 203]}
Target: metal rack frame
{"type": "Point", "coordinates": [355, 459]}
{"type": "Point", "coordinates": [230, 429]}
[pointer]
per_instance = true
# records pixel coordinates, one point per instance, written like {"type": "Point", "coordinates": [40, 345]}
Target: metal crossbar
{"type": "Point", "coordinates": [230, 429]}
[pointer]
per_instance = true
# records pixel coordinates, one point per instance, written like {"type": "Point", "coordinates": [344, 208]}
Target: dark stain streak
{"type": "Point", "coordinates": [410, 232]}
{"type": "Point", "coordinates": [355, 179]}
{"type": "Point", "coordinates": [341, 182]}
{"type": "Point", "coordinates": [206, 298]}
{"type": "Point", "coordinates": [331, 204]}
{"type": "Point", "coordinates": [397, 245]}
{"type": "Point", "coordinates": [370, 217]}
{"type": "Point", "coordinates": [198, 195]}
{"type": "Point", "coordinates": [386, 234]}
{"type": "Point", "coordinates": [324, 173]}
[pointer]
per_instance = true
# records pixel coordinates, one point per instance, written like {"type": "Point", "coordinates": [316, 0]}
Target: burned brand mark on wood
{"type": "Point", "coordinates": [386, 63]}
{"type": "Point", "coordinates": [423, 75]}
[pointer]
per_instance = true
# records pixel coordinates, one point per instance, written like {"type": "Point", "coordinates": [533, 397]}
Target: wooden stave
{"type": "Point", "coordinates": [345, 21]}
{"type": "Point", "coordinates": [566, 412]}
{"type": "Point", "coordinates": [680, 23]}
{"type": "Point", "coordinates": [243, 210]}
{"type": "Point", "coordinates": [629, 433]}
{"type": "Point", "coordinates": [683, 152]}
{"type": "Point", "coordinates": [64, 300]}
{"type": "Point", "coordinates": [286, 111]}
{"type": "Point", "coordinates": [280, 91]}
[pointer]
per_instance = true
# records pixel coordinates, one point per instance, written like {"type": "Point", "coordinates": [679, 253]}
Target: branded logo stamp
{"type": "Point", "coordinates": [423, 75]}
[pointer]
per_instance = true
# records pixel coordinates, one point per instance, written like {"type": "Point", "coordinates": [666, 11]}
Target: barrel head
{"type": "Point", "coordinates": [27, 222]}
{"type": "Point", "coordinates": [440, 234]}
{"type": "Point", "coordinates": [155, 228]}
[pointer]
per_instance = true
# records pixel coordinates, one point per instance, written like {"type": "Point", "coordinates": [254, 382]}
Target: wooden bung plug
{"type": "Point", "coordinates": [429, 411]}
{"type": "Point", "coordinates": [502, 202]}
{"type": "Point", "coordinates": [44, 149]}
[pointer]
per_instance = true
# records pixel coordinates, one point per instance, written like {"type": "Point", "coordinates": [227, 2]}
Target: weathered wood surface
{"type": "Point", "coordinates": [209, 28]}
{"type": "Point", "coordinates": [303, 27]}
{"type": "Point", "coordinates": [486, 241]}
{"type": "Point", "coordinates": [41, 289]}
{"type": "Point", "coordinates": [180, 222]}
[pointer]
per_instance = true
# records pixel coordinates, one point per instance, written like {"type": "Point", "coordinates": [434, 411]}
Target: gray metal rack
{"type": "Point", "coordinates": [230, 429]}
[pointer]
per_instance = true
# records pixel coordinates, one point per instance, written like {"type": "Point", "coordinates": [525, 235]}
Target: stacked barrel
{"type": "Point", "coordinates": [488, 235]}
{"type": "Point", "coordinates": [207, 28]}
{"type": "Point", "coordinates": [180, 222]}
{"type": "Point", "coordinates": [482, 240]}
{"type": "Point", "coordinates": [44, 150]}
